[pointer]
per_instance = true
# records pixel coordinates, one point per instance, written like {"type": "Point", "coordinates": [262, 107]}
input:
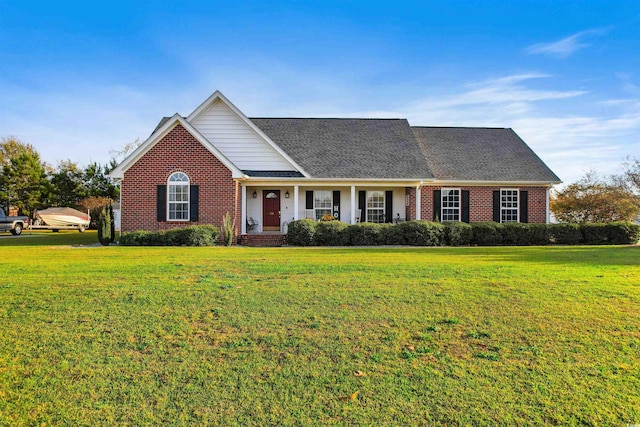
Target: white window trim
{"type": "Point", "coordinates": [517, 208]}
{"type": "Point", "coordinates": [188, 184]}
{"type": "Point", "coordinates": [459, 208]}
{"type": "Point", "coordinates": [367, 208]}
{"type": "Point", "coordinates": [316, 209]}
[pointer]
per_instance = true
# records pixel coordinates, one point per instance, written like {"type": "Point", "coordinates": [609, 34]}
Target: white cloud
{"type": "Point", "coordinates": [564, 47]}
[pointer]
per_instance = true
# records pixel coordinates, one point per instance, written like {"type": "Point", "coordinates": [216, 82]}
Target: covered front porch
{"type": "Point", "coordinates": [267, 208]}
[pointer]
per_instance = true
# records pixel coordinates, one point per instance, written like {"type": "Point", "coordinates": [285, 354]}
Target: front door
{"type": "Point", "coordinates": [271, 210]}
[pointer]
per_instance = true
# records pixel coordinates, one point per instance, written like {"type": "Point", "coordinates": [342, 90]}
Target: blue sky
{"type": "Point", "coordinates": [79, 80]}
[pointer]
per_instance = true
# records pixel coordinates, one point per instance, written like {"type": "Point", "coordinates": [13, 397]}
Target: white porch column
{"type": "Point", "coordinates": [353, 204]}
{"type": "Point", "coordinates": [418, 201]}
{"type": "Point", "coordinates": [243, 215]}
{"type": "Point", "coordinates": [295, 203]}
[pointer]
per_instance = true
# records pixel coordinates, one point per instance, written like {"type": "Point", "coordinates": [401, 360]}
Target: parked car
{"type": "Point", "coordinates": [15, 224]}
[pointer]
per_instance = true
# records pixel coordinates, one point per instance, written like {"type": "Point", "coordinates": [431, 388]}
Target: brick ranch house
{"type": "Point", "coordinates": [267, 172]}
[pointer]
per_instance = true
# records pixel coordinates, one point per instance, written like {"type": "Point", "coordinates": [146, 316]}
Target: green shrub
{"type": "Point", "coordinates": [565, 234]}
{"type": "Point", "coordinates": [331, 233]}
{"type": "Point", "coordinates": [195, 235]}
{"type": "Point", "coordinates": [486, 233]}
{"type": "Point", "coordinates": [595, 233]}
{"type": "Point", "coordinates": [228, 230]}
{"type": "Point", "coordinates": [365, 234]}
{"type": "Point", "coordinates": [104, 227]}
{"type": "Point", "coordinates": [540, 234]}
{"type": "Point", "coordinates": [515, 234]}
{"type": "Point", "coordinates": [301, 232]}
{"type": "Point", "coordinates": [421, 233]}
{"type": "Point", "coordinates": [112, 224]}
{"type": "Point", "coordinates": [136, 238]}
{"type": "Point", "coordinates": [457, 233]}
{"type": "Point", "coordinates": [612, 233]}
{"type": "Point", "coordinates": [390, 235]}
{"type": "Point", "coordinates": [623, 233]}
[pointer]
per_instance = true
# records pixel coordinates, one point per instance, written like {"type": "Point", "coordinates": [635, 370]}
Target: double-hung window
{"type": "Point", "coordinates": [375, 206]}
{"type": "Point", "coordinates": [509, 205]}
{"type": "Point", "coordinates": [178, 197]}
{"type": "Point", "coordinates": [450, 206]}
{"type": "Point", "coordinates": [322, 203]}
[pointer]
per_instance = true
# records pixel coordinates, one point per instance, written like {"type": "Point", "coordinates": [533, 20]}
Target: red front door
{"type": "Point", "coordinates": [271, 210]}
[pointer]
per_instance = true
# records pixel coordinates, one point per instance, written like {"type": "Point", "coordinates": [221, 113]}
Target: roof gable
{"type": "Point", "coordinates": [241, 141]}
{"type": "Point", "coordinates": [160, 132]}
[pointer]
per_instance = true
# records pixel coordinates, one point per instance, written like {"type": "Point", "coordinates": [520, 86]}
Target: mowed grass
{"type": "Point", "coordinates": [289, 336]}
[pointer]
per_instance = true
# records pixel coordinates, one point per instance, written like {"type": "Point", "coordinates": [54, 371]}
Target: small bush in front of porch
{"type": "Point", "coordinates": [331, 233]}
{"type": "Point", "coordinates": [365, 234]}
{"type": "Point", "coordinates": [301, 232]}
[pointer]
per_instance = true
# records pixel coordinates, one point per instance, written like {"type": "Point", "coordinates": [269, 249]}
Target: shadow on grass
{"type": "Point", "coordinates": [592, 255]}
{"type": "Point", "coordinates": [49, 238]}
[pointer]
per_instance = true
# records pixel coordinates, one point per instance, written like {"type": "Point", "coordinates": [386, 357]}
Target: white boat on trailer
{"type": "Point", "coordinates": [61, 219]}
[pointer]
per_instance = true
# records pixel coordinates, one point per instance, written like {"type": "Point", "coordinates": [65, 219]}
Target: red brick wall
{"type": "Point", "coordinates": [481, 203]}
{"type": "Point", "coordinates": [177, 151]}
{"type": "Point", "coordinates": [410, 211]}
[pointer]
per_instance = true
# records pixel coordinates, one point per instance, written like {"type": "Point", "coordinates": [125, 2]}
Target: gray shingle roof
{"type": "Point", "coordinates": [480, 154]}
{"type": "Point", "coordinates": [349, 148]}
{"type": "Point", "coordinates": [390, 148]}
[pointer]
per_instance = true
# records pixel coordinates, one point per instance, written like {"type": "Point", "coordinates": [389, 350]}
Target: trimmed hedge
{"type": "Point", "coordinates": [565, 234]}
{"type": "Point", "coordinates": [307, 232]}
{"type": "Point", "coordinates": [195, 235]}
{"type": "Point", "coordinates": [330, 233]}
{"type": "Point", "coordinates": [457, 234]}
{"type": "Point", "coordinates": [486, 233]}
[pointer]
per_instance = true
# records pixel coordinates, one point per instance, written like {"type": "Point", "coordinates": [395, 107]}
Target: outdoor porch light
{"type": "Point", "coordinates": [286, 195]}
{"type": "Point", "coordinates": [255, 194]}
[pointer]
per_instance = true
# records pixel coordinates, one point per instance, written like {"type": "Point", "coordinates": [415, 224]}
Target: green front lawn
{"type": "Point", "coordinates": [377, 336]}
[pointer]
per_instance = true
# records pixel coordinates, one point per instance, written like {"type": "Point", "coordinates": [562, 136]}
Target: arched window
{"type": "Point", "coordinates": [178, 197]}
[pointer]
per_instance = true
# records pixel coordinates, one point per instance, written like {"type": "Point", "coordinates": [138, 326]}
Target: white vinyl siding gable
{"type": "Point", "coordinates": [237, 141]}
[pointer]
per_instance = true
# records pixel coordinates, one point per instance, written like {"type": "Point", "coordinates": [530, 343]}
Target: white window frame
{"type": "Point", "coordinates": [319, 210]}
{"type": "Point", "coordinates": [504, 208]}
{"type": "Point", "coordinates": [457, 209]}
{"type": "Point", "coordinates": [375, 213]}
{"type": "Point", "coordinates": [171, 186]}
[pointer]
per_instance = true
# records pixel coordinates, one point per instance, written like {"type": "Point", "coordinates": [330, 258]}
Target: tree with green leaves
{"type": "Point", "coordinates": [596, 199]}
{"type": "Point", "coordinates": [23, 181]}
{"type": "Point", "coordinates": [67, 185]}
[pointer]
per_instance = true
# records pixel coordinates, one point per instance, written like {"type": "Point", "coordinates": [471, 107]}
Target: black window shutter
{"type": "Point", "coordinates": [161, 203]}
{"type": "Point", "coordinates": [388, 206]}
{"type": "Point", "coordinates": [524, 206]}
{"type": "Point", "coordinates": [465, 206]}
{"type": "Point", "coordinates": [437, 202]}
{"type": "Point", "coordinates": [336, 205]}
{"type": "Point", "coordinates": [362, 205]}
{"type": "Point", "coordinates": [194, 202]}
{"type": "Point", "coordinates": [309, 204]}
{"type": "Point", "coordinates": [496, 206]}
